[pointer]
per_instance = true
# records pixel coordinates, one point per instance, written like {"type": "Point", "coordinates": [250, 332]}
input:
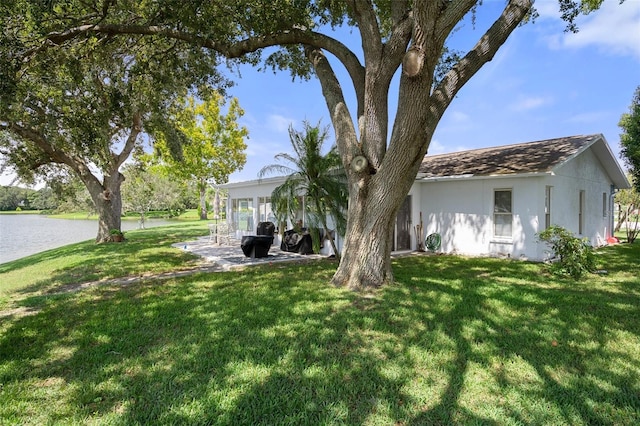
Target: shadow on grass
{"type": "Point", "coordinates": [454, 341]}
{"type": "Point", "coordinates": [143, 251]}
{"type": "Point", "coordinates": [562, 334]}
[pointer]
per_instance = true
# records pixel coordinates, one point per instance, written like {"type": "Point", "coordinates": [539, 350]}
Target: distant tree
{"type": "Point", "coordinates": [319, 178]}
{"type": "Point", "coordinates": [146, 188]}
{"type": "Point", "coordinates": [630, 138]}
{"type": "Point", "coordinates": [12, 197]}
{"type": "Point", "coordinates": [72, 195]}
{"type": "Point", "coordinates": [628, 201]}
{"type": "Point", "coordinates": [396, 38]}
{"type": "Point", "coordinates": [214, 144]}
{"type": "Point", "coordinates": [43, 199]}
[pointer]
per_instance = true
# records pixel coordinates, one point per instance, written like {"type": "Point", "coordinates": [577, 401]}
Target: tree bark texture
{"type": "Point", "coordinates": [107, 199]}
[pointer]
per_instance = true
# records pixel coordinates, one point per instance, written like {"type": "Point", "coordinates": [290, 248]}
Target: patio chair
{"type": "Point", "coordinates": [221, 233]}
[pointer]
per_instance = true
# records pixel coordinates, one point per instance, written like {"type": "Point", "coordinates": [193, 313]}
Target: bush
{"type": "Point", "coordinates": [575, 255]}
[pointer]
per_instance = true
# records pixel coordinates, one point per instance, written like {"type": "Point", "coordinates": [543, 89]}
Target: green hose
{"type": "Point", "coordinates": [432, 242]}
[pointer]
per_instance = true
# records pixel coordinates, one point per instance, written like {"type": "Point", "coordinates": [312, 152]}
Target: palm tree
{"type": "Point", "coordinates": [319, 178]}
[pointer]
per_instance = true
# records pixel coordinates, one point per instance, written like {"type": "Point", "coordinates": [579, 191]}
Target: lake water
{"type": "Point", "coordinates": [25, 234]}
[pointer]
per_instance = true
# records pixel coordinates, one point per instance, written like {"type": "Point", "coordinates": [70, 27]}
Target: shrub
{"type": "Point", "coordinates": [575, 256]}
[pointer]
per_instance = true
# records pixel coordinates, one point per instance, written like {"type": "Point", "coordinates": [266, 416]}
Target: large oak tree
{"type": "Point", "coordinates": [381, 162]}
{"type": "Point", "coordinates": [80, 109]}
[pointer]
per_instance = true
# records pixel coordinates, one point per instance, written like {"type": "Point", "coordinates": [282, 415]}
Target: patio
{"type": "Point", "coordinates": [229, 256]}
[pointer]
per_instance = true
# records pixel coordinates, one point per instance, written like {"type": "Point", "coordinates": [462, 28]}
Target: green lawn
{"type": "Point", "coordinates": [453, 341]}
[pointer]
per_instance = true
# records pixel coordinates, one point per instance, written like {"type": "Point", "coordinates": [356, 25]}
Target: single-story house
{"type": "Point", "coordinates": [489, 201]}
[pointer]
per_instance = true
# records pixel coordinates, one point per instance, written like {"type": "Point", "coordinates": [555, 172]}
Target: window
{"type": "Point", "coordinates": [502, 213]}
{"type": "Point", "coordinates": [242, 213]}
{"type": "Point", "coordinates": [581, 213]}
{"type": "Point", "coordinates": [547, 207]}
{"type": "Point", "coordinates": [265, 214]}
{"type": "Point", "coordinates": [605, 204]}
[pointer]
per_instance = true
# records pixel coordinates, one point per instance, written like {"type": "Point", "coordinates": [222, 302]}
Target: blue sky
{"type": "Point", "coordinates": [543, 83]}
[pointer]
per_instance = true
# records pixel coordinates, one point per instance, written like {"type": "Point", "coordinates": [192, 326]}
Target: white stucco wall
{"type": "Point", "coordinates": [461, 211]}
{"type": "Point", "coordinates": [584, 173]}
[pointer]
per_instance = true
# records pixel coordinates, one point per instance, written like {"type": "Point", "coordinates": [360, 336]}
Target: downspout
{"type": "Point", "coordinates": [613, 191]}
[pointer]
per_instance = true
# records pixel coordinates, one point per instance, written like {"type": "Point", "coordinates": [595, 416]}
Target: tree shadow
{"type": "Point", "coordinates": [279, 345]}
{"type": "Point", "coordinates": [563, 334]}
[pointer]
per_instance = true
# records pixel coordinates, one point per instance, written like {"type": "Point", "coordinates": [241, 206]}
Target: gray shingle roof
{"type": "Point", "coordinates": [531, 157]}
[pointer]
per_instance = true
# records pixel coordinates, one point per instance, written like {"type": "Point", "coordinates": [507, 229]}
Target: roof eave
{"type": "Point", "coordinates": [246, 183]}
{"type": "Point", "coordinates": [480, 177]}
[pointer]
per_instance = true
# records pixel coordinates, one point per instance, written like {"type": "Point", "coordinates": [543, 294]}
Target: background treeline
{"type": "Point", "coordinates": [147, 194]}
{"type": "Point", "coordinates": [15, 198]}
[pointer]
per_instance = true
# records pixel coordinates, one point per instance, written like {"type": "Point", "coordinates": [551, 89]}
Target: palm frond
{"type": "Point", "coordinates": [320, 178]}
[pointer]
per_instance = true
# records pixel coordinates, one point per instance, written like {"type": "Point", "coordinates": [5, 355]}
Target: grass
{"type": "Point", "coordinates": [453, 341]}
{"type": "Point", "coordinates": [144, 251]}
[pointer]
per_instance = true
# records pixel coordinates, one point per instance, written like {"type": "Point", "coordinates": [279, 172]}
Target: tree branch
{"type": "Point", "coordinates": [340, 116]}
{"type": "Point", "coordinates": [396, 46]}
{"type": "Point", "coordinates": [136, 128]}
{"type": "Point", "coordinates": [453, 14]}
{"type": "Point", "coordinates": [229, 50]}
{"type": "Point", "coordinates": [484, 51]}
{"type": "Point", "coordinates": [56, 156]}
{"type": "Point", "coordinates": [369, 29]}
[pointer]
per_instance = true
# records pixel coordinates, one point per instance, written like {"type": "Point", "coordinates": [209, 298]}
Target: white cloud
{"type": "Point", "coordinates": [547, 9]}
{"type": "Point", "coordinates": [436, 147]}
{"type": "Point", "coordinates": [614, 29]}
{"type": "Point", "coordinates": [529, 103]}
{"type": "Point", "coordinates": [279, 123]}
{"type": "Point", "coordinates": [7, 179]}
{"type": "Point", "coordinates": [459, 117]}
{"type": "Point", "coordinates": [589, 117]}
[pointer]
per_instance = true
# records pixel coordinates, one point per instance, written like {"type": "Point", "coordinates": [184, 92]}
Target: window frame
{"type": "Point", "coordinates": [581, 210]}
{"type": "Point", "coordinates": [547, 206]}
{"type": "Point", "coordinates": [500, 214]}
{"type": "Point", "coordinates": [265, 209]}
{"type": "Point", "coordinates": [242, 213]}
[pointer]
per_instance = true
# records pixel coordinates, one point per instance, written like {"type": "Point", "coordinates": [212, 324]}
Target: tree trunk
{"type": "Point", "coordinates": [622, 217]}
{"type": "Point", "coordinates": [202, 188]}
{"type": "Point", "coordinates": [366, 254]}
{"type": "Point", "coordinates": [108, 202]}
{"type": "Point", "coordinates": [366, 261]}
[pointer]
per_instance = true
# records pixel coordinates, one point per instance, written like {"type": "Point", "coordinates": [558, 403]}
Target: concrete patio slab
{"type": "Point", "coordinates": [231, 256]}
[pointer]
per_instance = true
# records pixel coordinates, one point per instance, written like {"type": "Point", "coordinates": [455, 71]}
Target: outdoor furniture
{"type": "Point", "coordinates": [221, 233]}
{"type": "Point", "coordinates": [259, 245]}
{"type": "Point", "coordinates": [266, 228]}
{"type": "Point", "coordinates": [256, 245]}
{"type": "Point", "coordinates": [295, 242]}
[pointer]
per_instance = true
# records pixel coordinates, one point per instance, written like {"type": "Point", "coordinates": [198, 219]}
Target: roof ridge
{"type": "Point", "coordinates": [541, 156]}
{"type": "Point", "coordinates": [489, 148]}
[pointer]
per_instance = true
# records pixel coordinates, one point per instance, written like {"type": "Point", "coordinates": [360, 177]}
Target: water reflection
{"type": "Point", "coordinates": [25, 234]}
